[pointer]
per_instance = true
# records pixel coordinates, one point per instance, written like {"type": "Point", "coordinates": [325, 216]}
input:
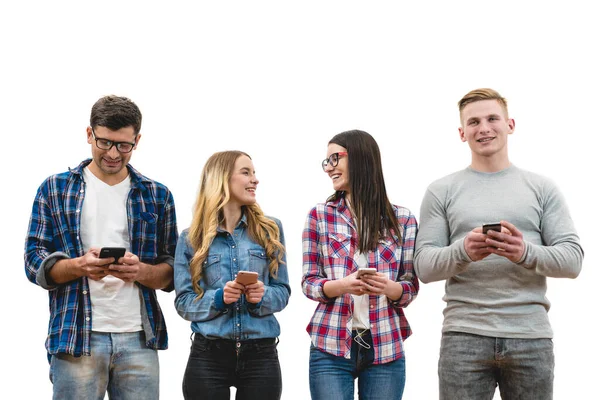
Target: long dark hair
{"type": "Point", "coordinates": [375, 216]}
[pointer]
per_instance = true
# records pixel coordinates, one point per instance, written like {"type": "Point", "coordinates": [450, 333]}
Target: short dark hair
{"type": "Point", "coordinates": [116, 112]}
{"type": "Point", "coordinates": [374, 213]}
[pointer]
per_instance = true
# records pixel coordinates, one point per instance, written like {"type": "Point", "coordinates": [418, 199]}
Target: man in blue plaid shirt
{"type": "Point", "coordinates": [105, 322]}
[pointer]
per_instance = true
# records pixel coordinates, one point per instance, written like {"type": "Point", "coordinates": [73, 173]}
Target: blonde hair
{"type": "Point", "coordinates": [479, 95]}
{"type": "Point", "coordinates": [213, 195]}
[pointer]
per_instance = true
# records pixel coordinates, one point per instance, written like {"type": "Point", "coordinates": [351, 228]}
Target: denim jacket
{"type": "Point", "coordinates": [227, 255]}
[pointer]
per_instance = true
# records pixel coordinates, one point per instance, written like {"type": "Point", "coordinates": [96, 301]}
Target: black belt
{"type": "Point", "coordinates": [200, 337]}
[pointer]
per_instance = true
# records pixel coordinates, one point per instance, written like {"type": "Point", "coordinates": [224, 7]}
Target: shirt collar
{"type": "Point", "coordinates": [241, 224]}
{"type": "Point", "coordinates": [137, 179]}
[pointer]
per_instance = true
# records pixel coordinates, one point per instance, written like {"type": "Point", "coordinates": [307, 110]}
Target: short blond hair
{"type": "Point", "coordinates": [479, 95]}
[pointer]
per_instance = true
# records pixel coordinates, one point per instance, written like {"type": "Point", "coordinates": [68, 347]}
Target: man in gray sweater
{"type": "Point", "coordinates": [496, 329]}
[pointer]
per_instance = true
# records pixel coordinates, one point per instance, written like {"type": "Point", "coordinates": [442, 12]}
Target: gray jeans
{"type": "Point", "coordinates": [471, 366]}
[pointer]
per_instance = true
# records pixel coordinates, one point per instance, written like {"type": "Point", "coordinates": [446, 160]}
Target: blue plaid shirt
{"type": "Point", "coordinates": [53, 235]}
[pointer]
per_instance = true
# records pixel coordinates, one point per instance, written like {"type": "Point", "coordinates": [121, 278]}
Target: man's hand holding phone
{"type": "Point", "coordinates": [501, 238]}
{"type": "Point", "coordinates": [112, 252]}
{"type": "Point", "coordinates": [91, 265]}
{"type": "Point", "coordinates": [508, 242]}
{"type": "Point", "coordinates": [130, 269]}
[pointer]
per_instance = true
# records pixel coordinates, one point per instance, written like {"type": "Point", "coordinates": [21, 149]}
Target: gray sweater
{"type": "Point", "coordinates": [496, 297]}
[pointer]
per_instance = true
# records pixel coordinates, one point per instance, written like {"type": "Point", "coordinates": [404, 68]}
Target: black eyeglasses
{"type": "Point", "coordinates": [333, 159]}
{"type": "Point", "coordinates": [105, 144]}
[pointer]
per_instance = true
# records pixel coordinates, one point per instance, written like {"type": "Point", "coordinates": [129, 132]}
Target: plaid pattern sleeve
{"type": "Point", "coordinates": [329, 247]}
{"type": "Point", "coordinates": [39, 237]}
{"type": "Point", "coordinates": [53, 235]}
{"type": "Point", "coordinates": [313, 278]}
{"type": "Point", "coordinates": [407, 275]}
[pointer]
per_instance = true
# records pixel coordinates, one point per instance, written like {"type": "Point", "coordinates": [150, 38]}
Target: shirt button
{"type": "Point", "coordinates": [81, 191]}
{"type": "Point", "coordinates": [233, 247]}
{"type": "Point", "coordinates": [234, 259]}
{"type": "Point", "coordinates": [371, 307]}
{"type": "Point", "coordinates": [87, 318]}
{"type": "Point", "coordinates": [238, 324]}
{"type": "Point", "coordinates": [85, 292]}
{"type": "Point", "coordinates": [77, 210]}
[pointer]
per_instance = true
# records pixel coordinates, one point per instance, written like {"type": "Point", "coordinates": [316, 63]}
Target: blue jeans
{"type": "Point", "coordinates": [120, 363]}
{"type": "Point", "coordinates": [251, 366]}
{"type": "Point", "coordinates": [332, 377]}
{"type": "Point", "coordinates": [471, 366]}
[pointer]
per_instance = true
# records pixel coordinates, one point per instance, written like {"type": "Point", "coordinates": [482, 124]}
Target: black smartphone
{"type": "Point", "coordinates": [116, 252]}
{"type": "Point", "coordinates": [492, 227]}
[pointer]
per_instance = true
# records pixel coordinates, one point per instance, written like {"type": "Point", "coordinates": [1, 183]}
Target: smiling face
{"type": "Point", "coordinates": [340, 175]}
{"type": "Point", "coordinates": [243, 182]}
{"type": "Point", "coordinates": [485, 127]}
{"type": "Point", "coordinates": [109, 165]}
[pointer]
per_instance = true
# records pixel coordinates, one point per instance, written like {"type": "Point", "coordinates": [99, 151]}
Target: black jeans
{"type": "Point", "coordinates": [251, 366]}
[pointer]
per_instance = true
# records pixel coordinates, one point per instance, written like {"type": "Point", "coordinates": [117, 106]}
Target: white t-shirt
{"type": "Point", "coordinates": [360, 318]}
{"type": "Point", "coordinates": [115, 303]}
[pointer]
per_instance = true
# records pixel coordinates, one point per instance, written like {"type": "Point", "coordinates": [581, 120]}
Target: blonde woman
{"type": "Point", "coordinates": [234, 327]}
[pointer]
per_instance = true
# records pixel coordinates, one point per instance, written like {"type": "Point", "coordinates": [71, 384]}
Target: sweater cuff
{"type": "Point", "coordinates": [524, 256]}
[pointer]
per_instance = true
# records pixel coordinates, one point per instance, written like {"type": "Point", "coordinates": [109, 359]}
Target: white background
{"type": "Point", "coordinates": [278, 79]}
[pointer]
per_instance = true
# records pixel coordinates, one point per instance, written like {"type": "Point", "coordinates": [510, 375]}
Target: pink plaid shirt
{"type": "Point", "coordinates": [329, 243]}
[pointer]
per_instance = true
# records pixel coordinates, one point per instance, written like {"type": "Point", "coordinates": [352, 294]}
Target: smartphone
{"type": "Point", "coordinates": [116, 252]}
{"type": "Point", "coordinates": [246, 277]}
{"type": "Point", "coordinates": [365, 271]}
{"type": "Point", "coordinates": [492, 227]}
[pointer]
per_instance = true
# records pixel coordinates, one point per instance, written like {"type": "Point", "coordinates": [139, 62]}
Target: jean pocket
{"type": "Point", "coordinates": [266, 350]}
{"type": "Point", "coordinates": [199, 345]}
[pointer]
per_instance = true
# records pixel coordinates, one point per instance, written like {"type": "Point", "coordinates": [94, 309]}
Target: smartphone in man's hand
{"type": "Point", "coordinates": [115, 252]}
{"type": "Point", "coordinates": [492, 227]}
